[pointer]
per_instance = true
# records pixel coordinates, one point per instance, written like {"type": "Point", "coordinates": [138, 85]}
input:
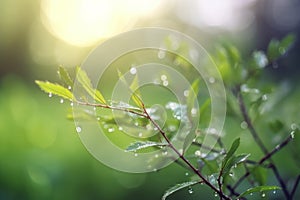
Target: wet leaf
{"type": "Point", "coordinates": [142, 145]}
{"type": "Point", "coordinates": [64, 76]}
{"type": "Point", "coordinates": [231, 151]}
{"type": "Point", "coordinates": [178, 187]}
{"type": "Point", "coordinates": [259, 189]}
{"type": "Point", "coordinates": [55, 89]}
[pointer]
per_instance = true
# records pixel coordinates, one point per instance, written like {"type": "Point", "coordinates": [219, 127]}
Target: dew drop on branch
{"type": "Point", "coordinates": [140, 134]}
{"type": "Point", "coordinates": [292, 134]}
{"type": "Point", "coordinates": [71, 104]}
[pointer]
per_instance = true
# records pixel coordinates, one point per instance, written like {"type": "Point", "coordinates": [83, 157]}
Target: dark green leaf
{"type": "Point", "coordinates": [286, 43]}
{"type": "Point", "coordinates": [84, 80]}
{"type": "Point", "coordinates": [55, 89]}
{"type": "Point", "coordinates": [178, 187]}
{"type": "Point", "coordinates": [259, 189]}
{"type": "Point", "coordinates": [233, 161]}
{"type": "Point", "coordinates": [276, 126]}
{"type": "Point", "coordinates": [273, 50]}
{"type": "Point", "coordinates": [142, 145]}
{"type": "Point", "coordinates": [64, 76]}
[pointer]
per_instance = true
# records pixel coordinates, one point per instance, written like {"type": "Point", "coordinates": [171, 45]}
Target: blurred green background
{"type": "Point", "coordinates": [41, 155]}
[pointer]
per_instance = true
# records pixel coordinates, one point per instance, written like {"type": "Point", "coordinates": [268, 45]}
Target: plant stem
{"type": "Point", "coordinates": [259, 141]}
{"type": "Point", "coordinates": [295, 186]}
{"type": "Point", "coordinates": [181, 156]}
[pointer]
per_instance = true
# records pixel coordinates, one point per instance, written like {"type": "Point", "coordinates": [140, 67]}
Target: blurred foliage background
{"type": "Point", "coordinates": [41, 155]}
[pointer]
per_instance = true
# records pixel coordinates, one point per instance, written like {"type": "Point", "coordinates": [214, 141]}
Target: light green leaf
{"type": "Point", "coordinates": [64, 76]}
{"type": "Point", "coordinates": [84, 80]}
{"type": "Point", "coordinates": [55, 89]}
{"type": "Point", "coordinates": [259, 189]}
{"type": "Point", "coordinates": [178, 187]}
{"type": "Point", "coordinates": [142, 145]}
{"type": "Point", "coordinates": [136, 95]}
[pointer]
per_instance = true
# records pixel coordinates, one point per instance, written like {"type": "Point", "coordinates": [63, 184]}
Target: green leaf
{"type": "Point", "coordinates": [259, 174]}
{"type": "Point", "coordinates": [178, 187]}
{"type": "Point", "coordinates": [259, 189]}
{"type": "Point", "coordinates": [192, 94]}
{"type": "Point", "coordinates": [55, 89]}
{"type": "Point", "coordinates": [231, 151]}
{"type": "Point", "coordinates": [276, 126]}
{"type": "Point", "coordinates": [64, 76]}
{"type": "Point", "coordinates": [142, 145]}
{"type": "Point", "coordinates": [84, 80]}
{"type": "Point", "coordinates": [234, 160]}
{"type": "Point", "coordinates": [136, 95]}
{"type": "Point", "coordinates": [287, 42]}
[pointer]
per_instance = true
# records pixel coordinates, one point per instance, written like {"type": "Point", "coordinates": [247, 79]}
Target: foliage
{"type": "Point", "coordinates": [228, 173]}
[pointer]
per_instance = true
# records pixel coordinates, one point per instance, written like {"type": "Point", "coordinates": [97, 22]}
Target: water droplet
{"type": "Point", "coordinates": [136, 123]}
{"type": "Point", "coordinates": [110, 130]}
{"type": "Point", "coordinates": [292, 134]}
{"type": "Point", "coordinates": [78, 129]}
{"type": "Point", "coordinates": [71, 104]}
{"type": "Point", "coordinates": [69, 87]}
{"type": "Point", "coordinates": [274, 192]}
{"type": "Point", "coordinates": [282, 50]}
{"type": "Point", "coordinates": [95, 108]}
{"type": "Point", "coordinates": [190, 190]}
{"type": "Point", "coordinates": [156, 155]}
{"type": "Point", "coordinates": [186, 93]}
{"type": "Point", "coordinates": [61, 101]}
{"type": "Point", "coordinates": [50, 95]}
{"type": "Point", "coordinates": [231, 174]}
{"type": "Point", "coordinates": [163, 77]}
{"type": "Point", "coordinates": [161, 54]}
{"type": "Point", "coordinates": [251, 194]}
{"type": "Point", "coordinates": [132, 70]}
{"type": "Point", "coordinates": [140, 134]}
{"type": "Point", "coordinates": [244, 125]}
{"type": "Point", "coordinates": [155, 128]}
{"type": "Point", "coordinates": [211, 79]}
{"type": "Point", "coordinates": [186, 173]}
{"type": "Point", "coordinates": [172, 128]}
{"type": "Point", "coordinates": [264, 97]}
{"type": "Point", "coordinates": [198, 153]}
{"type": "Point", "coordinates": [194, 112]}
{"type": "Point", "coordinates": [155, 170]}
{"type": "Point", "coordinates": [180, 151]}
{"type": "Point", "coordinates": [215, 194]}
{"type": "Point", "coordinates": [263, 195]}
{"type": "Point", "coordinates": [277, 147]}
{"type": "Point", "coordinates": [136, 154]}
{"type": "Point", "coordinates": [120, 128]}
{"type": "Point", "coordinates": [165, 83]}
{"type": "Point", "coordinates": [293, 126]}
{"type": "Point", "coordinates": [164, 153]}
{"type": "Point", "coordinates": [98, 118]}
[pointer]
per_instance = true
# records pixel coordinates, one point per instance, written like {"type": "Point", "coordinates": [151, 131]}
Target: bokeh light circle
{"type": "Point", "coordinates": [147, 70]}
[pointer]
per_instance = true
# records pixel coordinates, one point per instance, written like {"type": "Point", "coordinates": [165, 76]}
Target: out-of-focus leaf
{"type": "Point", "coordinates": [142, 145]}
{"type": "Point", "coordinates": [178, 187]}
{"type": "Point", "coordinates": [260, 175]}
{"type": "Point", "coordinates": [136, 95]}
{"type": "Point", "coordinates": [259, 189]}
{"type": "Point", "coordinates": [276, 126]}
{"type": "Point", "coordinates": [192, 94]}
{"type": "Point", "coordinates": [64, 76]}
{"type": "Point", "coordinates": [55, 89]}
{"type": "Point", "coordinates": [278, 48]}
{"type": "Point", "coordinates": [84, 80]}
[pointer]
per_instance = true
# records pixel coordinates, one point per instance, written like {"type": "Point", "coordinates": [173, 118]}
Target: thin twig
{"type": "Point", "coordinates": [260, 143]}
{"type": "Point", "coordinates": [207, 147]}
{"type": "Point", "coordinates": [295, 186]}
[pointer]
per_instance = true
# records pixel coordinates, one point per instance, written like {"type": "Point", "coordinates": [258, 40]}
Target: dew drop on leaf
{"type": "Point", "coordinates": [120, 128]}
{"type": "Point", "coordinates": [190, 190]}
{"type": "Point", "coordinates": [264, 97]}
{"type": "Point", "coordinates": [215, 194]}
{"type": "Point", "coordinates": [132, 70]}
{"type": "Point", "coordinates": [110, 130]}
{"type": "Point", "coordinates": [156, 155]}
{"type": "Point", "coordinates": [211, 80]}
{"type": "Point", "coordinates": [263, 195]}
{"type": "Point", "coordinates": [163, 77]}
{"type": "Point", "coordinates": [69, 87]}
{"type": "Point", "coordinates": [140, 134]}
{"type": "Point", "coordinates": [161, 54]}
{"type": "Point", "coordinates": [274, 192]}
{"type": "Point", "coordinates": [198, 153]}
{"type": "Point", "coordinates": [293, 126]}
{"type": "Point", "coordinates": [244, 125]}
{"type": "Point", "coordinates": [71, 104]}
{"type": "Point", "coordinates": [186, 93]}
{"type": "Point", "coordinates": [78, 129]}
{"type": "Point", "coordinates": [292, 135]}
{"type": "Point", "coordinates": [164, 153]}
{"type": "Point", "coordinates": [61, 101]}
{"type": "Point", "coordinates": [50, 95]}
{"type": "Point", "coordinates": [231, 174]}
{"type": "Point", "coordinates": [136, 154]}
{"type": "Point", "coordinates": [165, 83]}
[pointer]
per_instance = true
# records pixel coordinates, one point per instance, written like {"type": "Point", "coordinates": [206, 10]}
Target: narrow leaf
{"type": "Point", "coordinates": [234, 160]}
{"type": "Point", "coordinates": [55, 89]}
{"type": "Point", "coordinates": [287, 42]}
{"type": "Point", "coordinates": [87, 85]}
{"type": "Point", "coordinates": [178, 187]}
{"type": "Point", "coordinates": [136, 94]}
{"type": "Point", "coordinates": [232, 150]}
{"type": "Point", "coordinates": [142, 145]}
{"type": "Point", "coordinates": [259, 189]}
{"type": "Point", "coordinates": [64, 76]}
